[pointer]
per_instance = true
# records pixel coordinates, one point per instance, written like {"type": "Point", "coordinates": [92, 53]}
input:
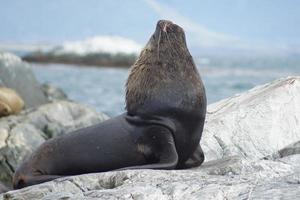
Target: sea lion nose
{"type": "Point", "coordinates": [164, 25]}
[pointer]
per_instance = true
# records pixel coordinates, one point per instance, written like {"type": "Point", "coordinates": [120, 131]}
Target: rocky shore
{"type": "Point", "coordinates": [48, 113]}
{"type": "Point", "coordinates": [251, 142]}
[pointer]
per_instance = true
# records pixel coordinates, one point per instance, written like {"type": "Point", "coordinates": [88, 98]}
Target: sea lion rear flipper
{"type": "Point", "coordinates": [163, 146]}
{"type": "Point", "coordinates": [195, 160]}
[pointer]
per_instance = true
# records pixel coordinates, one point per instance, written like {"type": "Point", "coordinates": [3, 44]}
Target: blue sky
{"type": "Point", "coordinates": [208, 23]}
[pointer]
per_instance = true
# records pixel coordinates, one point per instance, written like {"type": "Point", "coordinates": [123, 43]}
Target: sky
{"type": "Point", "coordinates": [261, 25]}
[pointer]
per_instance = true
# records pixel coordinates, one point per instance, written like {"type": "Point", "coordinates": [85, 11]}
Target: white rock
{"type": "Point", "coordinates": [9, 59]}
{"type": "Point", "coordinates": [18, 75]}
{"type": "Point", "coordinates": [256, 123]}
{"type": "Point", "coordinates": [181, 184]}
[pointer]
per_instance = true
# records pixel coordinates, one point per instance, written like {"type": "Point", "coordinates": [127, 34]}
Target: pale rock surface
{"type": "Point", "coordinates": [251, 142]}
{"type": "Point", "coordinates": [23, 133]}
{"type": "Point", "coordinates": [53, 93]}
{"type": "Point", "coordinates": [239, 179]}
{"type": "Point", "coordinates": [254, 124]}
{"type": "Point", "coordinates": [16, 74]}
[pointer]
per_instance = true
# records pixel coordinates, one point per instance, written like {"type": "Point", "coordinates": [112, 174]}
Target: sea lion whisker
{"type": "Point", "coordinates": [165, 27]}
{"type": "Point", "coordinates": [158, 42]}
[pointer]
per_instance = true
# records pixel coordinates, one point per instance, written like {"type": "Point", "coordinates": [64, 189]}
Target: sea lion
{"type": "Point", "coordinates": [165, 82]}
{"type": "Point", "coordinates": [166, 106]}
{"type": "Point", "coordinates": [10, 102]}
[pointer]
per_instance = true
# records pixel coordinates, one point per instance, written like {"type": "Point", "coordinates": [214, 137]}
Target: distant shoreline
{"type": "Point", "coordinates": [93, 59]}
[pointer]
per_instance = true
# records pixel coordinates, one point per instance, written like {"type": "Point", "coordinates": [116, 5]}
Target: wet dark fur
{"type": "Point", "coordinates": [166, 106]}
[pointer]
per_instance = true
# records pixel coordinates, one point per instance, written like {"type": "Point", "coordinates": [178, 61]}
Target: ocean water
{"type": "Point", "coordinates": [104, 88]}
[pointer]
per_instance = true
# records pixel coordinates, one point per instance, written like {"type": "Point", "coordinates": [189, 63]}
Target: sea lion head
{"type": "Point", "coordinates": [4, 109]}
{"type": "Point", "coordinates": [10, 102]}
{"type": "Point", "coordinates": [164, 70]}
{"type": "Point", "coordinates": [167, 41]}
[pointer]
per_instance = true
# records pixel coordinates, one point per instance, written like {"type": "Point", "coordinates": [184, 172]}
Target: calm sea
{"type": "Point", "coordinates": [103, 88]}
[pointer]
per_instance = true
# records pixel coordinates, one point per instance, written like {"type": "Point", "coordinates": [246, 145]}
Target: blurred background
{"type": "Point", "coordinates": [86, 47]}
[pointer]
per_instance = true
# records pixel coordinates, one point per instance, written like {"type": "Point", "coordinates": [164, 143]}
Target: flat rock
{"type": "Point", "coordinates": [18, 75]}
{"type": "Point", "coordinates": [258, 180]}
{"type": "Point", "coordinates": [251, 145]}
{"type": "Point", "coordinates": [21, 134]}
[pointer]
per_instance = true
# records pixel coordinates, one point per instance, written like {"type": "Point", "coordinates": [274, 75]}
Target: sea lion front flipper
{"type": "Point", "coordinates": [195, 160]}
{"type": "Point", "coordinates": [162, 145]}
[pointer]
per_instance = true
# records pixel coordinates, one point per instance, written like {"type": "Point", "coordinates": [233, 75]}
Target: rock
{"type": "Point", "coordinates": [251, 145]}
{"type": "Point", "coordinates": [290, 150]}
{"type": "Point", "coordinates": [53, 93]}
{"type": "Point", "coordinates": [254, 124]}
{"type": "Point", "coordinates": [258, 180]}
{"type": "Point", "coordinates": [3, 188]}
{"type": "Point", "coordinates": [23, 133]}
{"type": "Point", "coordinates": [18, 75]}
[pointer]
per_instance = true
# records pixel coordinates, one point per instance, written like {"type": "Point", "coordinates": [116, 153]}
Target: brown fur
{"type": "Point", "coordinates": [165, 60]}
